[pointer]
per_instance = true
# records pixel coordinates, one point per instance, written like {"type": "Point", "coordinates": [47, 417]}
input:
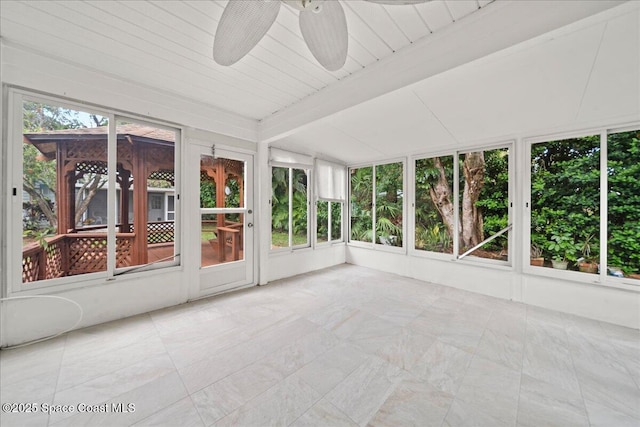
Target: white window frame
{"type": "Point", "coordinates": [412, 211]}
{"type": "Point", "coordinates": [330, 239]}
{"type": "Point", "coordinates": [373, 244]}
{"type": "Point", "coordinates": [601, 279]}
{"type": "Point", "coordinates": [470, 259]}
{"type": "Point", "coordinates": [309, 172]}
{"type": "Point", "coordinates": [16, 97]}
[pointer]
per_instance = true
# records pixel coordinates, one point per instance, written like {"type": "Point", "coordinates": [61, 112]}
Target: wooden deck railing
{"type": "Point", "coordinates": [72, 254]}
{"type": "Point", "coordinates": [85, 251]}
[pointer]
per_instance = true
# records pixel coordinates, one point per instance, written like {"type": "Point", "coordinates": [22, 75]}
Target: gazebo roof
{"type": "Point", "coordinates": [47, 141]}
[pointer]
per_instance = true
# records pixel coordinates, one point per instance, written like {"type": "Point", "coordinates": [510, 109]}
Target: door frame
{"type": "Point", "coordinates": [198, 276]}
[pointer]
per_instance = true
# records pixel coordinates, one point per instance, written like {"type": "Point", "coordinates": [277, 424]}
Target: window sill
{"type": "Point", "coordinates": [582, 278]}
{"type": "Point", "coordinates": [54, 286]}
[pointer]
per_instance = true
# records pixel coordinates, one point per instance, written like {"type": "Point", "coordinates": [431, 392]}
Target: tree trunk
{"type": "Point", "coordinates": [92, 186]}
{"type": "Point", "coordinates": [472, 224]}
{"type": "Point", "coordinates": [441, 196]}
{"type": "Point", "coordinates": [42, 203]}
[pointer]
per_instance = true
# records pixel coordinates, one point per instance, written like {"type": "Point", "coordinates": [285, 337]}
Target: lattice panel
{"type": "Point", "coordinates": [54, 254]}
{"type": "Point", "coordinates": [123, 251]}
{"type": "Point", "coordinates": [30, 267]}
{"type": "Point", "coordinates": [164, 175]}
{"type": "Point", "coordinates": [235, 167]}
{"type": "Point", "coordinates": [87, 254]}
{"type": "Point", "coordinates": [160, 232]}
{"type": "Point", "coordinates": [94, 150]}
{"type": "Point", "coordinates": [204, 177]}
{"type": "Point", "coordinates": [92, 167]}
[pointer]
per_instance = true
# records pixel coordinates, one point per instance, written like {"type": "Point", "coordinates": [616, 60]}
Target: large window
{"type": "Point", "coordinates": [565, 203]}
{"type": "Point", "coordinates": [75, 222]}
{"type": "Point", "coordinates": [483, 200]}
{"type": "Point", "coordinates": [377, 216]}
{"type": "Point", "coordinates": [574, 216]}
{"type": "Point", "coordinates": [289, 208]}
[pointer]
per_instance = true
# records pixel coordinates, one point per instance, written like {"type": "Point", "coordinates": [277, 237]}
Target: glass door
{"type": "Point", "coordinates": [226, 220]}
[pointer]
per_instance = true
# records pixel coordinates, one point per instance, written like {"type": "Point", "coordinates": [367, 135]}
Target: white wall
{"type": "Point", "coordinates": [286, 264]}
{"type": "Point", "coordinates": [619, 306]}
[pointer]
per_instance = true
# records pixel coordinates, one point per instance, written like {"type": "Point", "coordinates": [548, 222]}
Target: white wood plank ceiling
{"type": "Point", "coordinates": [168, 45]}
{"type": "Point", "coordinates": [577, 77]}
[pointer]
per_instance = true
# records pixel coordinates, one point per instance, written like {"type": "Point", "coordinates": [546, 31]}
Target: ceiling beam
{"type": "Point", "coordinates": [496, 27]}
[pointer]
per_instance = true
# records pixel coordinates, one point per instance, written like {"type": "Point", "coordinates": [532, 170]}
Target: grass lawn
{"type": "Point", "coordinates": [281, 240]}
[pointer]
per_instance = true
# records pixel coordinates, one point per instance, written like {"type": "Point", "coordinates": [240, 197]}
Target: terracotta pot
{"type": "Point", "coordinates": [588, 267]}
{"type": "Point", "coordinates": [635, 276]}
{"type": "Point", "coordinates": [538, 262]}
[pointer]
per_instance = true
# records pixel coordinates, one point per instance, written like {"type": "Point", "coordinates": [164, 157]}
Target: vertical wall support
{"type": "Point", "coordinates": [604, 205]}
{"type": "Point", "coordinates": [263, 212]}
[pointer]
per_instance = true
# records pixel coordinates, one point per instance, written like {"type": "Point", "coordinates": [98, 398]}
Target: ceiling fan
{"type": "Point", "coordinates": [322, 23]}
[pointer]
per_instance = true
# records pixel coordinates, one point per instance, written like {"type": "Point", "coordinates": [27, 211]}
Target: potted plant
{"type": "Point", "coordinates": [563, 249]}
{"type": "Point", "coordinates": [536, 255]}
{"type": "Point", "coordinates": [587, 263]}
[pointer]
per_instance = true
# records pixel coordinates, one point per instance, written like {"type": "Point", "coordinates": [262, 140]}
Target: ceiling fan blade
{"type": "Point", "coordinates": [325, 31]}
{"type": "Point", "coordinates": [241, 27]}
{"type": "Point", "coordinates": [397, 2]}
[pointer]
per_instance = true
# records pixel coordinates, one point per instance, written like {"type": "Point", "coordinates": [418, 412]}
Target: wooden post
{"type": "Point", "coordinates": [125, 185]}
{"type": "Point", "coordinates": [140, 205]}
{"type": "Point", "coordinates": [62, 198]}
{"type": "Point", "coordinates": [71, 199]}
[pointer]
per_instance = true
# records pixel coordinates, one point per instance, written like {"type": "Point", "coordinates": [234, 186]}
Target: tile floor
{"type": "Point", "coordinates": [345, 346]}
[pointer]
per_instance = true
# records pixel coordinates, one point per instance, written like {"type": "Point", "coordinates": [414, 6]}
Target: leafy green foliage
{"type": "Point", "coordinates": [389, 201]}
{"type": "Point", "coordinates": [388, 198]}
{"type": "Point", "coordinates": [322, 219]}
{"type": "Point", "coordinates": [623, 168]}
{"type": "Point", "coordinates": [563, 247]}
{"type": "Point", "coordinates": [565, 197]}
{"type": "Point", "coordinates": [362, 204]}
{"type": "Point", "coordinates": [494, 197]}
{"type": "Point", "coordinates": [431, 231]}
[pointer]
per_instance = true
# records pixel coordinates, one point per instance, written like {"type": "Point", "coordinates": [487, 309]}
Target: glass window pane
{"type": "Point", "coordinates": [623, 240]}
{"type": "Point", "coordinates": [361, 204]}
{"type": "Point", "coordinates": [336, 221]}
{"type": "Point", "coordinates": [565, 200]}
{"type": "Point", "coordinates": [484, 202]}
{"type": "Point", "coordinates": [221, 238]}
{"type": "Point", "coordinates": [299, 207]}
{"type": "Point", "coordinates": [389, 195]}
{"type": "Point", "coordinates": [279, 207]}
{"type": "Point", "coordinates": [322, 214]}
{"type": "Point", "coordinates": [63, 226]}
{"type": "Point", "coordinates": [146, 173]}
{"type": "Point", "coordinates": [434, 204]}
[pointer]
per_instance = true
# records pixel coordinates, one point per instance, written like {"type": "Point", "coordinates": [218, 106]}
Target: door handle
{"type": "Point", "coordinates": [250, 225]}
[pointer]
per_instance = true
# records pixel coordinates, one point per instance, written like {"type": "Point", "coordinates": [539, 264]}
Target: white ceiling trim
{"type": "Point", "coordinates": [476, 36]}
